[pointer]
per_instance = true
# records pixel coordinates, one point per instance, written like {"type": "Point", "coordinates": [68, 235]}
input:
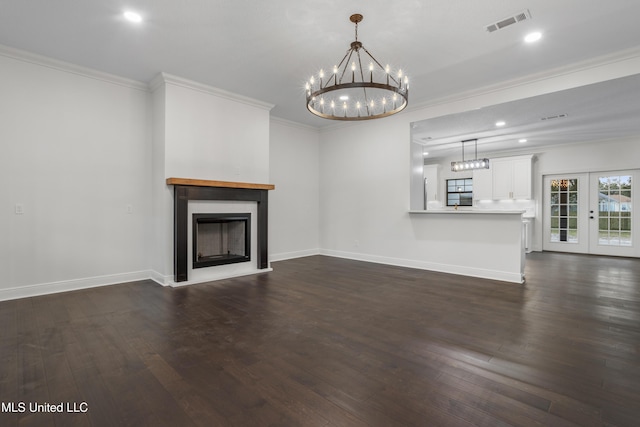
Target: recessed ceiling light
{"type": "Point", "coordinates": [533, 37]}
{"type": "Point", "coordinates": [426, 153]}
{"type": "Point", "coordinates": [522, 141]}
{"type": "Point", "coordinates": [500, 123]}
{"type": "Point", "coordinates": [132, 16]}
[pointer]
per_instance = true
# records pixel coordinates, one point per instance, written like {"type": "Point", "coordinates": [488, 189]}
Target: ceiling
{"type": "Point", "coordinates": [268, 49]}
{"type": "Point", "coordinates": [596, 112]}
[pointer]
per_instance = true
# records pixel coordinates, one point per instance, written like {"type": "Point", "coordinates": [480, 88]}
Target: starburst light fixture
{"type": "Point", "coordinates": [358, 88]}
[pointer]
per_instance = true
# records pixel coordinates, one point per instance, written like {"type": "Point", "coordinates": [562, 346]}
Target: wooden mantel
{"type": "Point", "coordinates": [220, 184]}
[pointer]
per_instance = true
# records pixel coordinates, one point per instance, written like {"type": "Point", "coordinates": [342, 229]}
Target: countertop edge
{"type": "Point", "coordinates": [468, 212]}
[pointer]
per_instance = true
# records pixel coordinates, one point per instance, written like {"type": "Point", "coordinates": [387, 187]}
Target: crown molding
{"type": "Point", "coordinates": [611, 66]}
{"type": "Point", "coordinates": [201, 87]}
{"type": "Point", "coordinates": [67, 67]}
{"type": "Point", "coordinates": [295, 125]}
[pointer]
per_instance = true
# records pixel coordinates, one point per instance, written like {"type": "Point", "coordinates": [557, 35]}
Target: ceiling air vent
{"type": "Point", "coordinates": [557, 116]}
{"type": "Point", "coordinates": [522, 16]}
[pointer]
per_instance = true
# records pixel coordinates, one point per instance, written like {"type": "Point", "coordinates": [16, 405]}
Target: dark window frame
{"type": "Point", "coordinates": [459, 191]}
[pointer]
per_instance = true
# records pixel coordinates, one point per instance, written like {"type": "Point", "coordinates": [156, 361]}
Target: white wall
{"type": "Point", "coordinates": [364, 189]}
{"type": "Point", "coordinates": [208, 136]}
{"type": "Point", "coordinates": [294, 205]}
{"type": "Point", "coordinates": [201, 132]}
{"type": "Point", "coordinates": [75, 146]}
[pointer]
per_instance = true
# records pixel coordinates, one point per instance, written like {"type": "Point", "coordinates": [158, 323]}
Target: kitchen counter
{"type": "Point", "coordinates": [475, 242]}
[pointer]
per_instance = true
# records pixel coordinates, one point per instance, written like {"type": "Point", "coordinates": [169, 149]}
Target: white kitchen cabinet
{"type": "Point", "coordinates": [483, 184]}
{"type": "Point", "coordinates": [511, 177]}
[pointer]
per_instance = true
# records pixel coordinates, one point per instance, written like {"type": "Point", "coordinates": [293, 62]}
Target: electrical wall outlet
{"type": "Point", "coordinates": [129, 209]}
{"type": "Point", "coordinates": [19, 209]}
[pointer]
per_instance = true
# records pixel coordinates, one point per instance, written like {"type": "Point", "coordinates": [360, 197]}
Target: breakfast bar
{"type": "Point", "coordinates": [479, 242]}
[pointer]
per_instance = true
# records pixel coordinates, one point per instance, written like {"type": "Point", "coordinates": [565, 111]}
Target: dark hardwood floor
{"type": "Point", "coordinates": [330, 342]}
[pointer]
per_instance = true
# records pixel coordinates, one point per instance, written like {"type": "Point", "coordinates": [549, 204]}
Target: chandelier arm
{"type": "Point", "coordinates": [344, 70]}
{"type": "Point", "coordinates": [380, 65]}
{"type": "Point", "coordinates": [340, 65]}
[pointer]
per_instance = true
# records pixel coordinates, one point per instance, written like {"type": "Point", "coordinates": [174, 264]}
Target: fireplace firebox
{"type": "Point", "coordinates": [221, 238]}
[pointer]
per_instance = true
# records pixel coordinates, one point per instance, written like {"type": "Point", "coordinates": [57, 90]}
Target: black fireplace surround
{"type": "Point", "coordinates": [184, 193]}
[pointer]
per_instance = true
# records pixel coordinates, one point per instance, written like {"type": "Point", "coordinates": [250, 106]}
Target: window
{"type": "Point", "coordinates": [614, 216]}
{"type": "Point", "coordinates": [564, 210]}
{"type": "Point", "coordinates": [460, 192]}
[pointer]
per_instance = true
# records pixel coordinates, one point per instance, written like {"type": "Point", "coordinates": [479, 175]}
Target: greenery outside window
{"type": "Point", "coordinates": [460, 192]}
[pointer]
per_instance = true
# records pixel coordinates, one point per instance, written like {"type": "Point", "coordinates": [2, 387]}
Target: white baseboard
{"type": "Point", "coordinates": [114, 279]}
{"type": "Point", "coordinates": [71, 285]}
{"type": "Point", "coordinates": [504, 276]}
{"type": "Point", "coordinates": [92, 282]}
{"type": "Point", "coordinates": [159, 278]}
{"type": "Point", "coordinates": [295, 254]}
{"type": "Point", "coordinates": [221, 276]}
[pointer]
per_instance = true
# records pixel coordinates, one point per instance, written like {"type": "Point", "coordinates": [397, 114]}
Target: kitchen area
{"type": "Point", "coordinates": [489, 209]}
{"type": "Point", "coordinates": [504, 187]}
{"type": "Point", "coordinates": [554, 171]}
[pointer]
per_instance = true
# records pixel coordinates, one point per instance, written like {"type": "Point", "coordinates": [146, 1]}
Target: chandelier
{"type": "Point", "coordinates": [561, 183]}
{"type": "Point", "coordinates": [466, 165]}
{"type": "Point", "coordinates": [352, 92]}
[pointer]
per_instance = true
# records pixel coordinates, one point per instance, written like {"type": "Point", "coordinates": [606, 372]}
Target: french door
{"type": "Point", "coordinates": [596, 213]}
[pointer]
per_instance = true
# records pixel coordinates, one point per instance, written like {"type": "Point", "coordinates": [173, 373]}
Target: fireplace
{"type": "Point", "coordinates": [221, 238]}
{"type": "Point", "coordinates": [186, 190]}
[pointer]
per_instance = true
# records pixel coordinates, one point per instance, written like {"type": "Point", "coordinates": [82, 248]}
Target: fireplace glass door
{"type": "Point", "coordinates": [221, 239]}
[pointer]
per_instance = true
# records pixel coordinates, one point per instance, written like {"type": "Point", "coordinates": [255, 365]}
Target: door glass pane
{"type": "Point", "coordinates": [564, 210]}
{"type": "Point", "coordinates": [614, 210]}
